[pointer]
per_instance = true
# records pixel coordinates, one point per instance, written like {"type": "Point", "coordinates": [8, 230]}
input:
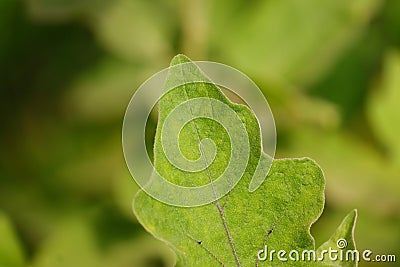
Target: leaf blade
{"type": "Point", "coordinates": [279, 214]}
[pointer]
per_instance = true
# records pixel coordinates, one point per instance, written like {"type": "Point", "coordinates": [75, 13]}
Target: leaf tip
{"type": "Point", "coordinates": [179, 59]}
{"type": "Point", "coordinates": [352, 216]}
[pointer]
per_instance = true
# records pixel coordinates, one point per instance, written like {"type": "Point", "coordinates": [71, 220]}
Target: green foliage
{"type": "Point", "coordinates": [11, 254]}
{"type": "Point", "coordinates": [74, 244]}
{"type": "Point", "coordinates": [384, 108]}
{"type": "Point", "coordinates": [118, 24]}
{"type": "Point", "coordinates": [68, 68]}
{"type": "Point", "coordinates": [344, 233]}
{"type": "Point", "coordinates": [289, 42]}
{"type": "Point", "coordinates": [234, 228]}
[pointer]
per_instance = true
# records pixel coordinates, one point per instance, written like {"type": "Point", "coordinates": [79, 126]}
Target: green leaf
{"type": "Point", "coordinates": [342, 239]}
{"type": "Point", "coordinates": [11, 254]}
{"type": "Point", "coordinates": [232, 230]}
{"type": "Point", "coordinates": [384, 107]}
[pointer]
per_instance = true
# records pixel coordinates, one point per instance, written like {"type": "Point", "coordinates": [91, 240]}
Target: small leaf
{"type": "Point", "coordinates": [232, 230]}
{"type": "Point", "coordinates": [342, 239]}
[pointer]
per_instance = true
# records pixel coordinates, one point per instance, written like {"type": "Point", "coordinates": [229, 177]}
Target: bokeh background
{"type": "Point", "coordinates": [329, 69]}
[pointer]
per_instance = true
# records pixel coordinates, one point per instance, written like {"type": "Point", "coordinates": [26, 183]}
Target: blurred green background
{"type": "Point", "coordinates": [329, 69]}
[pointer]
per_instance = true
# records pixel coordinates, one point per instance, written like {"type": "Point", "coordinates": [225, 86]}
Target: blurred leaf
{"type": "Point", "coordinates": [289, 40]}
{"type": "Point", "coordinates": [348, 163]}
{"type": "Point", "coordinates": [75, 243]}
{"type": "Point", "coordinates": [298, 110]}
{"type": "Point", "coordinates": [143, 251]}
{"type": "Point", "coordinates": [384, 108]}
{"type": "Point", "coordinates": [72, 244]}
{"type": "Point", "coordinates": [124, 189]}
{"type": "Point", "coordinates": [132, 30]}
{"type": "Point", "coordinates": [91, 173]}
{"type": "Point", "coordinates": [136, 30]}
{"type": "Point", "coordinates": [101, 93]}
{"type": "Point", "coordinates": [11, 254]}
{"type": "Point", "coordinates": [391, 23]}
{"type": "Point", "coordinates": [348, 81]}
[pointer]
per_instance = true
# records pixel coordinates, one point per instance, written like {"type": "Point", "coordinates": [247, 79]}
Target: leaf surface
{"type": "Point", "coordinates": [232, 230]}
